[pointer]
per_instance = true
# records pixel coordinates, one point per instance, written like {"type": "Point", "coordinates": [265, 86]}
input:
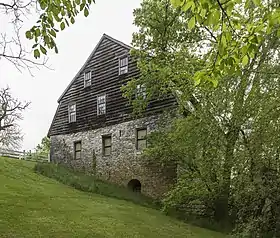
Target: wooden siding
{"type": "Point", "coordinates": [104, 63]}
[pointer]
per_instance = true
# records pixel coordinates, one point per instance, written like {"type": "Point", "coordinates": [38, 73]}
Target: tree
{"type": "Point", "coordinates": [44, 147]}
{"type": "Point", "coordinates": [10, 114]}
{"type": "Point", "coordinates": [227, 134]}
{"type": "Point", "coordinates": [236, 30]}
{"type": "Point", "coordinates": [53, 16]}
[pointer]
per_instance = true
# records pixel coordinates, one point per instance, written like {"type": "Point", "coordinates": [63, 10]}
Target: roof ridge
{"type": "Point", "coordinates": [90, 56]}
{"type": "Point", "coordinates": [117, 41]}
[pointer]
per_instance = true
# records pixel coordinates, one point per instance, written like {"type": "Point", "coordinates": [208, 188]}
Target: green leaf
{"type": "Point", "coordinates": [257, 2]}
{"type": "Point", "coordinates": [77, 2]}
{"type": "Point", "coordinates": [62, 26]}
{"type": "Point", "coordinates": [55, 49]}
{"type": "Point", "coordinates": [52, 32]}
{"type": "Point", "coordinates": [36, 53]}
{"type": "Point", "coordinates": [177, 3]}
{"type": "Point", "coordinates": [224, 40]}
{"type": "Point", "coordinates": [72, 20]}
{"type": "Point", "coordinates": [34, 46]}
{"type": "Point", "coordinates": [37, 32]}
{"type": "Point", "coordinates": [245, 60]}
{"type": "Point", "coordinates": [191, 23]}
{"type": "Point", "coordinates": [43, 50]}
{"type": "Point", "coordinates": [82, 6]}
{"type": "Point", "coordinates": [187, 6]}
{"type": "Point", "coordinates": [214, 81]}
{"type": "Point", "coordinates": [215, 17]}
{"type": "Point", "coordinates": [86, 13]}
{"type": "Point", "coordinates": [43, 5]}
{"type": "Point", "coordinates": [203, 12]}
{"type": "Point", "coordinates": [62, 12]}
{"type": "Point", "coordinates": [28, 35]}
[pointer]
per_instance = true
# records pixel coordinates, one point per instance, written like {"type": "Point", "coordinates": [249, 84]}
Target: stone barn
{"type": "Point", "coordinates": [93, 128]}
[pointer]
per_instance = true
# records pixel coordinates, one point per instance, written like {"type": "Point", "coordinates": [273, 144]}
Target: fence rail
{"type": "Point", "coordinates": [24, 155]}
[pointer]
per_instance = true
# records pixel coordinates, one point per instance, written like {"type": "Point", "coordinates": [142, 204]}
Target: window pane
{"type": "Point", "coordinates": [107, 141]}
{"type": "Point", "coordinates": [78, 146]}
{"type": "Point", "coordinates": [101, 109]}
{"type": "Point", "coordinates": [107, 150]}
{"type": "Point", "coordinates": [141, 90]}
{"type": "Point", "coordinates": [101, 99]}
{"type": "Point", "coordinates": [123, 69]}
{"type": "Point", "coordinates": [72, 117]}
{"type": "Point", "coordinates": [87, 82]}
{"type": "Point", "coordinates": [78, 154]}
{"type": "Point", "coordinates": [124, 62]}
{"type": "Point", "coordinates": [141, 134]}
{"type": "Point", "coordinates": [141, 144]}
{"type": "Point", "coordinates": [88, 75]}
{"type": "Point", "coordinates": [72, 107]}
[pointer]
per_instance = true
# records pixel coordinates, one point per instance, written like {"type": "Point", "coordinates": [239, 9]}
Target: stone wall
{"type": "Point", "coordinates": [124, 163]}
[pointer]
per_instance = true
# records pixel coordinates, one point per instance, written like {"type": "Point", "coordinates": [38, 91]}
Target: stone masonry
{"type": "Point", "coordinates": [124, 163]}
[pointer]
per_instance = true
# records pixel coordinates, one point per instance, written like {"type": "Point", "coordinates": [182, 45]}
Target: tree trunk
{"type": "Point", "coordinates": [222, 202]}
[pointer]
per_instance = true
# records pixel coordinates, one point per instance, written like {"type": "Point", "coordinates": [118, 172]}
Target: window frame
{"type": "Point", "coordinates": [137, 139]}
{"type": "Point", "coordinates": [70, 113]}
{"type": "Point", "coordinates": [98, 104]}
{"type": "Point", "coordinates": [75, 151]}
{"type": "Point", "coordinates": [104, 137]}
{"type": "Point", "coordinates": [141, 91]}
{"type": "Point", "coordinates": [123, 69]}
{"type": "Point", "coordinates": [87, 80]}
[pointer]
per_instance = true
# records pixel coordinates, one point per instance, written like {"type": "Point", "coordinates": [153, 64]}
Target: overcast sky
{"type": "Point", "coordinates": [113, 17]}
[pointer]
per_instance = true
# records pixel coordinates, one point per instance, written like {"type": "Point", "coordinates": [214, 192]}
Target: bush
{"type": "Point", "coordinates": [89, 183]}
{"type": "Point", "coordinates": [258, 203]}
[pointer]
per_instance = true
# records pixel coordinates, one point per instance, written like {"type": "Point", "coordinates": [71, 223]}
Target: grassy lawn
{"type": "Point", "coordinates": [32, 205]}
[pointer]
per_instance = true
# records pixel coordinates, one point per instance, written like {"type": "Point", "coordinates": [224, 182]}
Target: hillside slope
{"type": "Point", "coordinates": [34, 206]}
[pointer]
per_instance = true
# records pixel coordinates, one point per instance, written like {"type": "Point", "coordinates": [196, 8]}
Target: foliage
{"type": "Point", "coordinates": [35, 206]}
{"type": "Point", "coordinates": [53, 17]}
{"type": "Point", "coordinates": [44, 147]}
{"type": "Point", "coordinates": [162, 49]}
{"type": "Point", "coordinates": [223, 136]}
{"type": "Point", "coordinates": [54, 13]}
{"type": "Point", "coordinates": [88, 183]}
{"type": "Point", "coordinates": [258, 205]}
{"type": "Point", "coordinates": [236, 31]}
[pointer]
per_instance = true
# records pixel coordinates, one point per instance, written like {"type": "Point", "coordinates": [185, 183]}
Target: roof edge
{"type": "Point", "coordinates": [104, 36]}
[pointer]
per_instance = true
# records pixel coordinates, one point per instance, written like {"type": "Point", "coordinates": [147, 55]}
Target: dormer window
{"type": "Point", "coordinates": [123, 65]}
{"type": "Point", "coordinates": [87, 79]}
{"type": "Point", "coordinates": [101, 104]}
{"type": "Point", "coordinates": [72, 112]}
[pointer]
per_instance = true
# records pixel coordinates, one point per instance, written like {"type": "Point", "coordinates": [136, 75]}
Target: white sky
{"type": "Point", "coordinates": [113, 17]}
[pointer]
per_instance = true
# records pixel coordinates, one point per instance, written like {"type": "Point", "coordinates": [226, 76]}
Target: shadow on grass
{"type": "Point", "coordinates": [89, 183]}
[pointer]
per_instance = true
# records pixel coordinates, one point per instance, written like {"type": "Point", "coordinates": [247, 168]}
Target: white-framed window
{"type": "Point", "coordinates": [107, 145]}
{"type": "Point", "coordinates": [123, 65]}
{"type": "Point", "coordinates": [141, 91]}
{"type": "Point", "coordinates": [77, 149]}
{"type": "Point", "coordinates": [141, 140]}
{"type": "Point", "coordinates": [101, 104]}
{"type": "Point", "coordinates": [87, 79]}
{"type": "Point", "coordinates": [72, 112]}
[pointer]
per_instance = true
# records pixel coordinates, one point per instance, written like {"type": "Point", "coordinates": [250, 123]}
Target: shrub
{"type": "Point", "coordinates": [89, 183]}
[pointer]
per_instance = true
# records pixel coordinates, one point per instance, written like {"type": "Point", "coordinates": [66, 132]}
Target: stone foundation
{"type": "Point", "coordinates": [124, 163]}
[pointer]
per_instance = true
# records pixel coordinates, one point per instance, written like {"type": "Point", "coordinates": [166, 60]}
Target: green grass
{"type": "Point", "coordinates": [32, 205]}
{"type": "Point", "coordinates": [89, 183]}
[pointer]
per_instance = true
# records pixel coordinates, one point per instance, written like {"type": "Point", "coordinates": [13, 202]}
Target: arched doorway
{"type": "Point", "coordinates": [134, 185]}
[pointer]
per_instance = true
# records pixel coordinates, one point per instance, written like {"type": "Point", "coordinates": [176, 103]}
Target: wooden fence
{"type": "Point", "coordinates": [24, 155]}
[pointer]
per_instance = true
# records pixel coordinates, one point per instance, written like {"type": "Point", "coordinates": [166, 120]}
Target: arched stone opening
{"type": "Point", "coordinates": [134, 185]}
